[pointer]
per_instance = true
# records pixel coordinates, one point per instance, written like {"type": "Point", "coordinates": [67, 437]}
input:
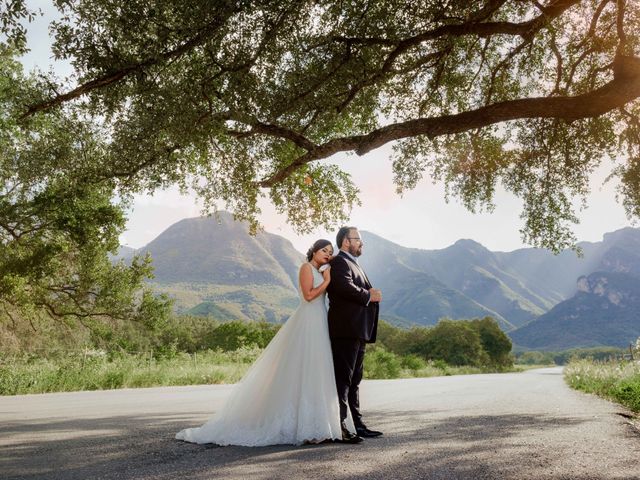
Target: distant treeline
{"type": "Point", "coordinates": [565, 356]}
{"type": "Point", "coordinates": [477, 342]}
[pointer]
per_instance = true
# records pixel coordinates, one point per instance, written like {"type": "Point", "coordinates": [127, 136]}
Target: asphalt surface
{"type": "Point", "coordinates": [504, 426]}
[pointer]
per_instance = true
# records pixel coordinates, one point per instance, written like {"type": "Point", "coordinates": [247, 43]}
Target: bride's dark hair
{"type": "Point", "coordinates": [317, 246]}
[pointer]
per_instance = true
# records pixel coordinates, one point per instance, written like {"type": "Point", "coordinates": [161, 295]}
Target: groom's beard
{"type": "Point", "coordinates": [356, 251]}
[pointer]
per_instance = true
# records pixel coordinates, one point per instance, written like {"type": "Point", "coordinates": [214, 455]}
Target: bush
{"type": "Point", "coordinates": [439, 364]}
{"type": "Point", "coordinates": [455, 342]}
{"type": "Point", "coordinates": [187, 333]}
{"type": "Point", "coordinates": [535, 358]}
{"type": "Point", "coordinates": [400, 340]}
{"type": "Point", "coordinates": [478, 342]}
{"type": "Point", "coordinates": [380, 363]}
{"type": "Point", "coordinates": [494, 341]}
{"type": "Point", "coordinates": [413, 362]}
{"type": "Point", "coordinates": [232, 335]}
{"type": "Point", "coordinates": [627, 392]}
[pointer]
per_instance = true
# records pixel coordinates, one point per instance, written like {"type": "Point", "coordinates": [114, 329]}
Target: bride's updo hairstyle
{"type": "Point", "coordinates": [317, 246]}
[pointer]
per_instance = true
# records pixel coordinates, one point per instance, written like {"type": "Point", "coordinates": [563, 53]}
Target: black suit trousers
{"type": "Point", "coordinates": [348, 357]}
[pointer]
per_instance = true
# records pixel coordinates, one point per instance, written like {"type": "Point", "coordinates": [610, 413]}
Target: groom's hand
{"type": "Point", "coordinates": [375, 295]}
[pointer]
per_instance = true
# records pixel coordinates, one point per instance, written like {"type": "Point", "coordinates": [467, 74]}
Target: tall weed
{"type": "Point", "coordinates": [618, 381]}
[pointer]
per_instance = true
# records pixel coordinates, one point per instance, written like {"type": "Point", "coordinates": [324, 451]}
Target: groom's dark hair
{"type": "Point", "coordinates": [343, 232]}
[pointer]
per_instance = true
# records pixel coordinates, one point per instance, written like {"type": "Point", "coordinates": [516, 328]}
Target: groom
{"type": "Point", "coordinates": [353, 322]}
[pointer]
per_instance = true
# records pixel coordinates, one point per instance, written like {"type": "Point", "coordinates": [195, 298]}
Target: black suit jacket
{"type": "Point", "coordinates": [348, 291]}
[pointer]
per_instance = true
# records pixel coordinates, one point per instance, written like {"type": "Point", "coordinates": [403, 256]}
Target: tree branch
{"type": "Point", "coordinates": [624, 88]}
{"type": "Point", "coordinates": [472, 27]}
{"type": "Point", "coordinates": [115, 76]}
{"type": "Point", "coordinates": [125, 174]}
{"type": "Point", "coordinates": [11, 317]}
{"type": "Point", "coordinates": [622, 37]}
{"type": "Point", "coordinates": [594, 20]}
{"type": "Point", "coordinates": [556, 52]}
{"type": "Point", "coordinates": [275, 131]}
{"type": "Point", "coordinates": [489, 8]}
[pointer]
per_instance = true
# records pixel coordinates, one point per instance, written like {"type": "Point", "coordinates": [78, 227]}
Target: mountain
{"type": "Point", "coordinates": [481, 275]}
{"type": "Point", "coordinates": [521, 285]}
{"type": "Point", "coordinates": [604, 312]}
{"type": "Point", "coordinates": [476, 275]}
{"type": "Point", "coordinates": [213, 267]}
{"type": "Point", "coordinates": [218, 251]}
{"type": "Point", "coordinates": [124, 253]}
{"type": "Point", "coordinates": [622, 253]}
{"type": "Point", "coordinates": [210, 265]}
{"type": "Point", "coordinates": [411, 291]}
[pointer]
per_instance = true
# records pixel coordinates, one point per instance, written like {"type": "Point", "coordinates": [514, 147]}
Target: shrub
{"type": "Point", "coordinates": [413, 362]}
{"type": "Point", "coordinates": [439, 364]}
{"type": "Point", "coordinates": [380, 363]}
{"type": "Point", "coordinates": [535, 358]}
{"type": "Point", "coordinates": [627, 392]}
{"type": "Point", "coordinates": [235, 334]}
{"type": "Point", "coordinates": [455, 342]}
{"type": "Point", "coordinates": [494, 341]}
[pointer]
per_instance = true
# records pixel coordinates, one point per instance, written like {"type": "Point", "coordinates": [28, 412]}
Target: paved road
{"type": "Point", "coordinates": [508, 426]}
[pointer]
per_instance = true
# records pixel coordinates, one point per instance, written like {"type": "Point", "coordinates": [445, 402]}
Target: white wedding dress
{"type": "Point", "coordinates": [288, 396]}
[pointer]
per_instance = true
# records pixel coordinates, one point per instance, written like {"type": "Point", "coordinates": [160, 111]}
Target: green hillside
{"type": "Point", "coordinates": [232, 302]}
{"type": "Point", "coordinates": [219, 251]}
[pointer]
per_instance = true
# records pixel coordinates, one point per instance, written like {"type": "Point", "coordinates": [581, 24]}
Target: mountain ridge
{"type": "Point", "coordinates": [212, 266]}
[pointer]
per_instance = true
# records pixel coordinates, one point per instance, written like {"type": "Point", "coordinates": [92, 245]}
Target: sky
{"type": "Point", "coordinates": [421, 218]}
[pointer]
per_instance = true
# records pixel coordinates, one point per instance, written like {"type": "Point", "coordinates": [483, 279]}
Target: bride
{"type": "Point", "coordinates": [288, 396]}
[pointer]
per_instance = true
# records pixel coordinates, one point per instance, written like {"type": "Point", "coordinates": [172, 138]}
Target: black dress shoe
{"type": "Point", "coordinates": [366, 433]}
{"type": "Point", "coordinates": [348, 437]}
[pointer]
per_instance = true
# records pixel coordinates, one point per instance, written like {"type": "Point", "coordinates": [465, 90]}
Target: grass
{"type": "Point", "coordinates": [617, 381]}
{"type": "Point", "coordinates": [102, 371]}
{"type": "Point", "coordinates": [518, 367]}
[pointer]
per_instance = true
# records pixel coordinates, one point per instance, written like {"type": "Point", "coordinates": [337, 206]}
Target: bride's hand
{"type": "Point", "coordinates": [326, 272]}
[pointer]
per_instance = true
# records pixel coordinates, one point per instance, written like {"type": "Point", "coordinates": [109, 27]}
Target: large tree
{"type": "Point", "coordinates": [57, 228]}
{"type": "Point", "coordinates": [248, 98]}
